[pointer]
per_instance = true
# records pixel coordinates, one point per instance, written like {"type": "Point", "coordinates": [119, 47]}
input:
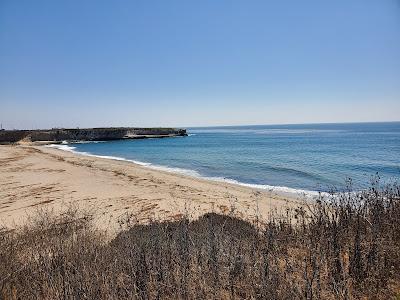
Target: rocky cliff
{"type": "Point", "coordinates": [87, 134]}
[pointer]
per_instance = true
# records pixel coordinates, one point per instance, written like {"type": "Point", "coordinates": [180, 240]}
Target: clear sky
{"type": "Point", "coordinates": [190, 63]}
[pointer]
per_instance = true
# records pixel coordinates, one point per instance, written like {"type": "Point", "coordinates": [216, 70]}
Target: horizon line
{"type": "Point", "coordinates": [212, 126]}
{"type": "Point", "coordinates": [285, 124]}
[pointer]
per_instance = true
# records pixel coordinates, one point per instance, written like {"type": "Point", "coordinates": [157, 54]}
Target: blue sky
{"type": "Point", "coordinates": [195, 63]}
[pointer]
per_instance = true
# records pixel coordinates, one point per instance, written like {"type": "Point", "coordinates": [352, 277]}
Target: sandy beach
{"type": "Point", "coordinates": [33, 177]}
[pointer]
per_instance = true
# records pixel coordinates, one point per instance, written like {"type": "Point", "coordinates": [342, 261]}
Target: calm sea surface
{"type": "Point", "coordinates": [311, 157]}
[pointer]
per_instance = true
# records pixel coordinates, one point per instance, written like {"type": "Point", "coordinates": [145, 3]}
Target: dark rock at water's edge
{"type": "Point", "coordinates": [87, 134]}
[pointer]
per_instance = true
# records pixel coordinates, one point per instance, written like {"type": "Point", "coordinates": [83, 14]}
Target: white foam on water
{"type": "Point", "coordinates": [193, 173]}
{"type": "Point", "coordinates": [62, 146]}
{"type": "Point", "coordinates": [72, 149]}
{"type": "Point", "coordinates": [272, 188]}
{"type": "Point", "coordinates": [87, 142]}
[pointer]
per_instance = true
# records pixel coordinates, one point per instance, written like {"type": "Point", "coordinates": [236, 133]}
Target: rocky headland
{"type": "Point", "coordinates": [86, 134]}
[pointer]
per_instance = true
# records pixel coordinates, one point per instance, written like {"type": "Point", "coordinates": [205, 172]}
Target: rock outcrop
{"type": "Point", "coordinates": [87, 134]}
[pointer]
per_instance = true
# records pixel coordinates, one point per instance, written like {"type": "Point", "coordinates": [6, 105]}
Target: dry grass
{"type": "Point", "coordinates": [343, 247]}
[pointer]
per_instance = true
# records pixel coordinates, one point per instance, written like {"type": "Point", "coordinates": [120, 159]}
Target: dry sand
{"type": "Point", "coordinates": [33, 177]}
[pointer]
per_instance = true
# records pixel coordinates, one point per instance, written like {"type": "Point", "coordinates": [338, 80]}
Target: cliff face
{"type": "Point", "coordinates": [87, 134]}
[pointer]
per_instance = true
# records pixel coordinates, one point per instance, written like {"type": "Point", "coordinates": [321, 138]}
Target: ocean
{"type": "Point", "coordinates": [307, 157]}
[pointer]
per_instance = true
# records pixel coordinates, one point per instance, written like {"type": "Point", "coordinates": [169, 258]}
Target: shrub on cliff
{"type": "Point", "coordinates": [345, 246]}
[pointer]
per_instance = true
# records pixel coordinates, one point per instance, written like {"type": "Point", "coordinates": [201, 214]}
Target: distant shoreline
{"type": "Point", "coordinates": [55, 135]}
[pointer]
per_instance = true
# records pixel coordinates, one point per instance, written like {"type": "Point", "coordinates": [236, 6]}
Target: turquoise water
{"type": "Point", "coordinates": [311, 157]}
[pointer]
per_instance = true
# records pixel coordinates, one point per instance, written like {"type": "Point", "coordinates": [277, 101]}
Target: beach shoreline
{"type": "Point", "coordinates": [281, 190]}
{"type": "Point", "coordinates": [33, 177]}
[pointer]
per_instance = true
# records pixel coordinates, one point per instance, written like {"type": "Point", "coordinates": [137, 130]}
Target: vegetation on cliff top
{"type": "Point", "coordinates": [342, 247]}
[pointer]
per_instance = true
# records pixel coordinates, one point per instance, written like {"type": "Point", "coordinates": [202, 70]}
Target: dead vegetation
{"type": "Point", "coordinates": [345, 246]}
